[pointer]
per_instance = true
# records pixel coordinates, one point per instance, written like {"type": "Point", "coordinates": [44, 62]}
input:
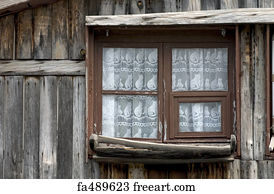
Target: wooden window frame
{"type": "Point", "coordinates": [163, 37]}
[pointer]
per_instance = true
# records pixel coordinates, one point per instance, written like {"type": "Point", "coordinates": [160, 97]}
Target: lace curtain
{"type": "Point", "coordinates": [199, 69]}
{"type": "Point", "coordinates": [130, 69]}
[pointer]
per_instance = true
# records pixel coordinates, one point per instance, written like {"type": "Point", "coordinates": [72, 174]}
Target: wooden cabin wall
{"type": "Point", "coordinates": [42, 104]}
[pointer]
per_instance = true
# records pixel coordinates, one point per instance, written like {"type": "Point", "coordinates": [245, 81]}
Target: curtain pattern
{"type": "Point", "coordinates": [200, 117]}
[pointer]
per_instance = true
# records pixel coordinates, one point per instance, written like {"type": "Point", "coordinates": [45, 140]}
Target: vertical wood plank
{"type": "Point", "coordinates": [137, 171]}
{"type": "Point", "coordinates": [259, 122]}
{"type": "Point", "coordinates": [121, 7]}
{"type": "Point", "coordinates": [266, 3]}
{"type": "Point", "coordinates": [249, 169]}
{"type": "Point", "coordinates": [2, 84]}
{"type": "Point", "coordinates": [118, 171]}
{"type": "Point", "coordinates": [60, 30]}
{"type": "Point", "coordinates": [95, 170]}
{"type": "Point", "coordinates": [210, 5]}
{"type": "Point", "coordinates": [65, 127]}
{"type": "Point", "coordinates": [107, 7]}
{"type": "Point", "coordinates": [31, 127]}
{"type": "Point", "coordinates": [191, 5]}
{"type": "Point", "coordinates": [154, 6]}
{"type": "Point", "coordinates": [235, 169]}
{"type": "Point", "coordinates": [6, 37]}
{"type": "Point", "coordinates": [13, 134]}
{"type": "Point", "coordinates": [77, 11]}
{"type": "Point", "coordinates": [171, 6]}
{"type": "Point", "coordinates": [104, 170]}
{"type": "Point", "coordinates": [42, 32]}
{"type": "Point", "coordinates": [229, 4]}
{"type": "Point", "coordinates": [248, 3]}
{"type": "Point", "coordinates": [24, 35]}
{"type": "Point", "coordinates": [48, 127]}
{"type": "Point", "coordinates": [157, 171]}
{"type": "Point", "coordinates": [134, 9]}
{"type": "Point", "coordinates": [246, 95]}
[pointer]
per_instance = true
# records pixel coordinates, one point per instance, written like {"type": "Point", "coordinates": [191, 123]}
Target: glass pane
{"type": "Point", "coordinates": [199, 69]}
{"type": "Point", "coordinates": [130, 116]}
{"type": "Point", "coordinates": [130, 69]}
{"type": "Point", "coordinates": [200, 117]}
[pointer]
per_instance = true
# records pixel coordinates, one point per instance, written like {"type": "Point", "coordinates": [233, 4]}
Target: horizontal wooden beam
{"type": "Point", "coordinates": [158, 161]}
{"type": "Point", "coordinates": [110, 146]}
{"type": "Point", "coordinates": [231, 16]}
{"type": "Point", "coordinates": [49, 67]}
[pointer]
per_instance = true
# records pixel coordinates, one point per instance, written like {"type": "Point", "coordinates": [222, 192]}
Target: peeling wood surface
{"type": "Point", "coordinates": [32, 67]}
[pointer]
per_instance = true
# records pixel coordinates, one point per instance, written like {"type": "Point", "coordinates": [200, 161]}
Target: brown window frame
{"type": "Point", "coordinates": [162, 38]}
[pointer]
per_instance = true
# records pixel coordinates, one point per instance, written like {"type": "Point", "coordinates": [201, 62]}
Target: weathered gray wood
{"type": "Point", "coordinates": [77, 11]}
{"type": "Point", "coordinates": [246, 96]}
{"type": "Point", "coordinates": [137, 171]}
{"type": "Point", "coordinates": [235, 169]}
{"type": "Point", "coordinates": [121, 7]}
{"type": "Point", "coordinates": [154, 6]}
{"type": "Point", "coordinates": [42, 32]}
{"type": "Point", "coordinates": [171, 6]}
{"type": "Point", "coordinates": [232, 16]}
{"type": "Point", "coordinates": [2, 84]}
{"type": "Point", "coordinates": [134, 9]}
{"type": "Point", "coordinates": [65, 127]}
{"type": "Point", "coordinates": [266, 3]}
{"type": "Point", "coordinates": [191, 5]}
{"type": "Point", "coordinates": [6, 37]}
{"type": "Point", "coordinates": [59, 67]}
{"type": "Point", "coordinates": [229, 4]}
{"type": "Point", "coordinates": [248, 3]}
{"type": "Point", "coordinates": [106, 7]}
{"type": "Point", "coordinates": [95, 169]}
{"type": "Point", "coordinates": [24, 35]}
{"type": "Point", "coordinates": [31, 127]}
{"type": "Point", "coordinates": [210, 4]}
{"type": "Point", "coordinates": [259, 92]}
{"type": "Point", "coordinates": [60, 30]}
{"type": "Point", "coordinates": [249, 169]}
{"type": "Point", "coordinates": [48, 127]}
{"type": "Point", "coordinates": [266, 169]}
{"type": "Point", "coordinates": [13, 127]}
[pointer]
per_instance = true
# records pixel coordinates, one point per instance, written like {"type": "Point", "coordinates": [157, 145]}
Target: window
{"type": "Point", "coordinates": [164, 85]}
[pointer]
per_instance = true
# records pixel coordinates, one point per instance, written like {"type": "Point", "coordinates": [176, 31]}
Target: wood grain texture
{"type": "Point", "coordinates": [259, 121]}
{"type": "Point", "coordinates": [31, 127]}
{"type": "Point", "coordinates": [154, 6]}
{"type": "Point", "coordinates": [134, 9]}
{"type": "Point", "coordinates": [249, 169]}
{"type": "Point", "coordinates": [266, 3]}
{"type": "Point", "coordinates": [2, 87]}
{"type": "Point", "coordinates": [65, 127]}
{"type": "Point", "coordinates": [248, 3]}
{"type": "Point", "coordinates": [6, 37]}
{"type": "Point", "coordinates": [210, 4]}
{"type": "Point", "coordinates": [229, 4]}
{"type": "Point", "coordinates": [13, 128]}
{"type": "Point", "coordinates": [118, 171]}
{"type": "Point", "coordinates": [48, 127]}
{"type": "Point", "coordinates": [246, 95]}
{"type": "Point", "coordinates": [24, 35]}
{"type": "Point", "coordinates": [266, 169]}
{"type": "Point", "coordinates": [171, 6]}
{"type": "Point", "coordinates": [227, 16]}
{"type": "Point", "coordinates": [235, 169]}
{"type": "Point", "coordinates": [121, 7]}
{"type": "Point", "coordinates": [157, 171]}
{"type": "Point", "coordinates": [60, 30]}
{"type": "Point", "coordinates": [137, 171]}
{"type": "Point", "coordinates": [77, 12]}
{"type": "Point", "coordinates": [42, 32]}
{"type": "Point", "coordinates": [106, 7]}
{"type": "Point", "coordinates": [191, 5]}
{"type": "Point", "coordinates": [32, 67]}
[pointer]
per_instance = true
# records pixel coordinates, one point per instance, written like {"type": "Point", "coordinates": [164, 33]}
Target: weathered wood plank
{"type": "Point", "coordinates": [26, 67]}
{"type": "Point", "coordinates": [118, 171]}
{"type": "Point", "coordinates": [121, 7]}
{"type": "Point", "coordinates": [191, 5]}
{"type": "Point", "coordinates": [13, 128]}
{"type": "Point", "coordinates": [60, 30]}
{"type": "Point", "coordinates": [266, 169]}
{"type": "Point", "coordinates": [106, 7]}
{"type": "Point", "coordinates": [157, 171]}
{"type": "Point", "coordinates": [42, 32]}
{"type": "Point", "coordinates": [235, 169]}
{"type": "Point", "coordinates": [77, 11]}
{"type": "Point", "coordinates": [6, 37]}
{"type": "Point", "coordinates": [24, 35]}
{"type": "Point", "coordinates": [154, 6]}
{"type": "Point", "coordinates": [248, 3]}
{"type": "Point", "coordinates": [266, 3]}
{"type": "Point", "coordinates": [104, 170]}
{"type": "Point", "coordinates": [2, 87]}
{"type": "Point", "coordinates": [135, 9]}
{"type": "Point", "coordinates": [48, 127]}
{"type": "Point", "coordinates": [79, 135]}
{"type": "Point", "coordinates": [259, 121]}
{"type": "Point", "coordinates": [137, 171]}
{"type": "Point", "coordinates": [65, 127]}
{"type": "Point", "coordinates": [210, 4]}
{"type": "Point", "coordinates": [31, 127]}
{"type": "Point", "coordinates": [171, 6]}
{"type": "Point", "coordinates": [246, 95]}
{"type": "Point", "coordinates": [95, 169]}
{"type": "Point", "coordinates": [229, 4]}
{"type": "Point", "coordinates": [249, 169]}
{"type": "Point", "coordinates": [177, 171]}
